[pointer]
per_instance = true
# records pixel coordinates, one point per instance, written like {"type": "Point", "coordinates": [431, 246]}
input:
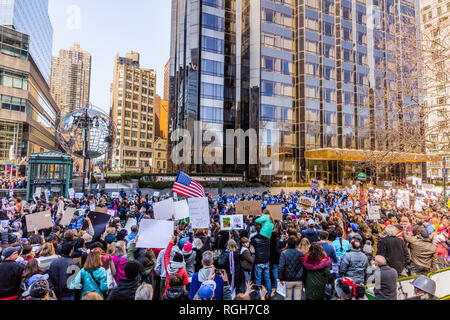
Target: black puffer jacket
{"type": "Point", "coordinates": [125, 290]}
{"type": "Point", "coordinates": [176, 293]}
{"type": "Point", "coordinates": [262, 248]}
{"type": "Point", "coordinates": [395, 251]}
{"type": "Point", "coordinates": [290, 267]}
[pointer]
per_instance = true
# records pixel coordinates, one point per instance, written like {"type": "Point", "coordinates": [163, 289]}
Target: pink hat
{"type": "Point", "coordinates": [187, 246]}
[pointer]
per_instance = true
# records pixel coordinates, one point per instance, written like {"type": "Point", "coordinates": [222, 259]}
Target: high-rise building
{"type": "Point", "coordinates": [71, 79]}
{"type": "Point", "coordinates": [161, 124]}
{"type": "Point", "coordinates": [133, 99]}
{"type": "Point", "coordinates": [28, 116]}
{"type": "Point", "coordinates": [31, 17]}
{"type": "Point", "coordinates": [166, 80]}
{"type": "Point", "coordinates": [299, 72]}
{"type": "Point", "coordinates": [435, 30]}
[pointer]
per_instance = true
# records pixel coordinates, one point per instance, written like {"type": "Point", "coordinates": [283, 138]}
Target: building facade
{"type": "Point", "coordinates": [435, 27]}
{"type": "Point", "coordinates": [31, 17]}
{"type": "Point", "coordinates": [166, 80]}
{"type": "Point", "coordinates": [28, 116]}
{"type": "Point", "coordinates": [71, 79]}
{"type": "Point", "coordinates": [133, 111]}
{"type": "Point", "coordinates": [302, 73]}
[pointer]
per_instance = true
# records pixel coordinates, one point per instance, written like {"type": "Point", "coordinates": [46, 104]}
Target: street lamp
{"type": "Point", "coordinates": [362, 177]}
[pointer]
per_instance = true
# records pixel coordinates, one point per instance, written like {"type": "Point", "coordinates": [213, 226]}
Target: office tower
{"type": "Point", "coordinates": [161, 125]}
{"type": "Point", "coordinates": [31, 17]}
{"type": "Point", "coordinates": [133, 98]}
{"type": "Point", "coordinates": [435, 30]}
{"type": "Point", "coordinates": [166, 80]}
{"type": "Point", "coordinates": [71, 79]}
{"type": "Point", "coordinates": [301, 73]}
{"type": "Point", "coordinates": [28, 116]}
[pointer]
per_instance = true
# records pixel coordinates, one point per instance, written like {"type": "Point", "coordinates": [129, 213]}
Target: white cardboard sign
{"type": "Point", "coordinates": [181, 209]}
{"type": "Point", "coordinates": [199, 212]}
{"type": "Point", "coordinates": [374, 212]}
{"type": "Point", "coordinates": [154, 233]}
{"type": "Point", "coordinates": [164, 209]}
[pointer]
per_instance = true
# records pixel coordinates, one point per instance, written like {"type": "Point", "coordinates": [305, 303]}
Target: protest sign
{"type": "Point", "coordinates": [237, 222]}
{"type": "Point", "coordinates": [374, 212]}
{"type": "Point", "coordinates": [156, 194]}
{"type": "Point", "coordinates": [99, 221]}
{"type": "Point", "coordinates": [38, 192]}
{"type": "Point", "coordinates": [79, 195]}
{"type": "Point", "coordinates": [181, 209]}
{"type": "Point", "coordinates": [199, 212]}
{"type": "Point", "coordinates": [71, 193]}
{"type": "Point", "coordinates": [115, 195]}
{"type": "Point", "coordinates": [225, 223]}
{"type": "Point", "coordinates": [418, 205]}
{"type": "Point", "coordinates": [321, 184]}
{"type": "Point", "coordinates": [39, 220]}
{"type": "Point", "coordinates": [248, 208]}
{"type": "Point", "coordinates": [275, 211]}
{"type": "Point", "coordinates": [67, 216]}
{"type": "Point", "coordinates": [111, 212]}
{"type": "Point", "coordinates": [131, 222]}
{"type": "Point", "coordinates": [154, 233]}
{"type": "Point", "coordinates": [314, 185]}
{"type": "Point", "coordinates": [403, 198]}
{"type": "Point", "coordinates": [388, 184]}
{"type": "Point", "coordinates": [92, 206]}
{"type": "Point", "coordinates": [164, 210]}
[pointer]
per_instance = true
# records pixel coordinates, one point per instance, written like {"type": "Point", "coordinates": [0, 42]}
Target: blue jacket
{"type": "Point", "coordinates": [354, 265]}
{"type": "Point", "coordinates": [337, 247]}
{"type": "Point", "coordinates": [84, 279]}
{"type": "Point", "coordinates": [329, 249]}
{"type": "Point", "coordinates": [311, 234]}
{"type": "Point", "coordinates": [199, 277]}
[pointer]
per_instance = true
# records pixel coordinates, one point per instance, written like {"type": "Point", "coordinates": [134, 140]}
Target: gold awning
{"type": "Point", "coordinates": [368, 155]}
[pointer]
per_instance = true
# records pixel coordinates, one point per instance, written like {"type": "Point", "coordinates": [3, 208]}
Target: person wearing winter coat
{"type": "Point", "coordinates": [204, 274]}
{"type": "Point", "coordinates": [386, 289]}
{"type": "Point", "coordinates": [354, 263]}
{"type": "Point", "coordinates": [189, 258]}
{"type": "Point", "coordinates": [175, 264]}
{"type": "Point", "coordinates": [341, 246]}
{"type": "Point", "coordinates": [247, 257]}
{"type": "Point", "coordinates": [126, 287]}
{"type": "Point", "coordinates": [424, 255]}
{"type": "Point", "coordinates": [10, 285]}
{"type": "Point", "coordinates": [230, 262]}
{"type": "Point", "coordinates": [267, 222]}
{"type": "Point", "coordinates": [176, 291]}
{"type": "Point", "coordinates": [291, 270]}
{"type": "Point", "coordinates": [316, 270]}
{"type": "Point", "coordinates": [92, 277]}
{"type": "Point", "coordinates": [394, 250]}
{"type": "Point", "coordinates": [145, 257]}
{"type": "Point", "coordinates": [262, 257]}
{"type": "Point", "coordinates": [59, 273]}
{"type": "Point", "coordinates": [119, 258]}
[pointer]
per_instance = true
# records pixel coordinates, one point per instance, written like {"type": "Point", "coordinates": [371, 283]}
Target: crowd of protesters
{"type": "Point", "coordinates": [7, 182]}
{"type": "Point", "coordinates": [327, 252]}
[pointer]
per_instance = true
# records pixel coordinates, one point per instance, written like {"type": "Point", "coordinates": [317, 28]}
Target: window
{"type": "Point", "coordinates": [328, 6]}
{"type": "Point", "coordinates": [12, 79]}
{"type": "Point", "coordinates": [360, 17]}
{"type": "Point", "coordinates": [348, 76]}
{"type": "Point", "coordinates": [361, 79]}
{"type": "Point", "coordinates": [328, 50]}
{"type": "Point", "coordinates": [312, 69]}
{"type": "Point", "coordinates": [211, 91]}
{"type": "Point", "coordinates": [212, 68]}
{"type": "Point", "coordinates": [13, 103]}
{"type": "Point", "coordinates": [349, 119]}
{"type": "Point", "coordinates": [212, 44]}
{"type": "Point", "coordinates": [348, 98]}
{"type": "Point", "coordinates": [312, 46]}
{"type": "Point", "coordinates": [213, 22]}
{"type": "Point", "coordinates": [211, 114]}
{"type": "Point", "coordinates": [329, 73]}
{"type": "Point", "coordinates": [330, 118]}
{"type": "Point", "coordinates": [348, 55]}
{"type": "Point", "coordinates": [347, 34]}
{"type": "Point", "coordinates": [272, 89]}
{"type": "Point", "coordinates": [329, 95]}
{"type": "Point", "coordinates": [346, 13]}
{"type": "Point", "coordinates": [361, 36]}
{"type": "Point", "coordinates": [311, 23]}
{"type": "Point", "coordinates": [214, 3]}
{"type": "Point", "coordinates": [312, 92]}
{"type": "Point", "coordinates": [362, 58]}
{"type": "Point", "coordinates": [312, 3]}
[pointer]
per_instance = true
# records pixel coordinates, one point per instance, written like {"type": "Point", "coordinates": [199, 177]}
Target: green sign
{"type": "Point", "coordinates": [362, 177]}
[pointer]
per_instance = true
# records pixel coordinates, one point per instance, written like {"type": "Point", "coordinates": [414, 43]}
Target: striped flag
{"type": "Point", "coordinates": [188, 187]}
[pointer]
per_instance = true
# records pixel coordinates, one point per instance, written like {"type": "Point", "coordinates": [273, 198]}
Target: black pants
{"type": "Point", "coordinates": [156, 291]}
{"type": "Point", "coordinates": [416, 269]}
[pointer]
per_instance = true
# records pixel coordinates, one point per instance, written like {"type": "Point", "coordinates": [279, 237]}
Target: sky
{"type": "Point", "coordinates": [107, 28]}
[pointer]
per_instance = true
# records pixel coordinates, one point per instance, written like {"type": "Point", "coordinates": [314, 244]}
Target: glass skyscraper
{"type": "Point", "coordinates": [31, 17]}
{"type": "Point", "coordinates": [302, 73]}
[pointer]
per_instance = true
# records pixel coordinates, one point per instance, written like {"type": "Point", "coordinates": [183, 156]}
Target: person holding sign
{"type": "Point", "coordinates": [175, 264]}
{"type": "Point", "coordinates": [267, 222]}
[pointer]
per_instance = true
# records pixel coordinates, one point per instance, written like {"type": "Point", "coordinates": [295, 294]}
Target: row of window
{"type": "Point", "coordinates": [128, 114]}
{"type": "Point", "coordinates": [275, 113]}
{"type": "Point", "coordinates": [13, 103]}
{"type": "Point", "coordinates": [275, 17]}
{"type": "Point", "coordinates": [330, 118]}
{"type": "Point", "coordinates": [276, 41]}
{"type": "Point", "coordinates": [134, 134]}
{"type": "Point", "coordinates": [271, 64]}
{"type": "Point", "coordinates": [213, 22]}
{"type": "Point", "coordinates": [212, 68]}
{"type": "Point", "coordinates": [211, 44]}
{"type": "Point", "coordinates": [211, 91]}
{"type": "Point", "coordinates": [12, 79]}
{"type": "Point", "coordinates": [275, 89]}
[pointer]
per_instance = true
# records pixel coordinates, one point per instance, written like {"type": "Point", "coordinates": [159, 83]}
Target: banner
{"type": "Point", "coordinates": [79, 195]}
{"type": "Point", "coordinates": [199, 212]}
{"type": "Point", "coordinates": [275, 211]}
{"type": "Point", "coordinates": [248, 207]}
{"type": "Point", "coordinates": [374, 212]}
{"type": "Point", "coordinates": [154, 233]}
{"type": "Point", "coordinates": [115, 195]}
{"type": "Point", "coordinates": [131, 222]}
{"type": "Point", "coordinates": [39, 220]}
{"type": "Point", "coordinates": [181, 209]}
{"type": "Point", "coordinates": [164, 210]}
{"type": "Point", "coordinates": [67, 216]}
{"type": "Point", "coordinates": [99, 221]}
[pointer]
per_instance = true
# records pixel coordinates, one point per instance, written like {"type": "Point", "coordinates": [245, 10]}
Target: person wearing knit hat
{"type": "Point", "coordinates": [175, 264]}
{"type": "Point", "coordinates": [189, 258]}
{"type": "Point", "coordinates": [40, 290]}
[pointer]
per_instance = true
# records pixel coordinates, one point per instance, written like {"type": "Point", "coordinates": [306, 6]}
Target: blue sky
{"type": "Point", "coordinates": [107, 28]}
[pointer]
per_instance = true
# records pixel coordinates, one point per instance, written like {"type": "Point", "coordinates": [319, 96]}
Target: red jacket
{"type": "Point", "coordinates": [182, 271]}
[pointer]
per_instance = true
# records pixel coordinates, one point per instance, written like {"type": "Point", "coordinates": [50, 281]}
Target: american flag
{"type": "Point", "coordinates": [188, 187]}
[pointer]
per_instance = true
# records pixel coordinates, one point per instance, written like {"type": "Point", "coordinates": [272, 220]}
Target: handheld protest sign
{"type": "Point", "coordinates": [237, 222]}
{"type": "Point", "coordinates": [199, 212]}
{"type": "Point", "coordinates": [39, 220]}
{"type": "Point", "coordinates": [275, 211]}
{"type": "Point", "coordinates": [374, 212]}
{"type": "Point", "coordinates": [225, 223]}
{"type": "Point", "coordinates": [248, 207]}
{"type": "Point", "coordinates": [99, 221]}
{"type": "Point", "coordinates": [130, 222]}
{"type": "Point", "coordinates": [79, 195]}
{"type": "Point", "coordinates": [71, 193]}
{"type": "Point", "coordinates": [164, 210]}
{"type": "Point", "coordinates": [154, 233]}
{"type": "Point", "coordinates": [181, 209]}
{"type": "Point", "coordinates": [67, 216]}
